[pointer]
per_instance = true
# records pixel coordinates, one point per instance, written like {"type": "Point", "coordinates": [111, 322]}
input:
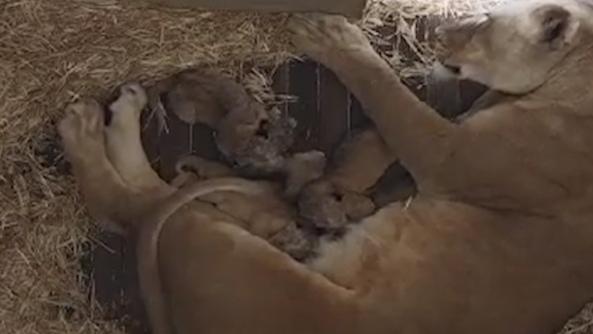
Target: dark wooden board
{"type": "Point", "coordinates": [304, 84]}
{"type": "Point", "coordinates": [334, 111]}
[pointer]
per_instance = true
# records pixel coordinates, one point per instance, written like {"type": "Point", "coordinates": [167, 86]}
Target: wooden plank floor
{"type": "Point", "coordinates": [326, 113]}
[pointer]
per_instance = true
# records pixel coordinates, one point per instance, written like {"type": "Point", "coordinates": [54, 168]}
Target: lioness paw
{"type": "Point", "coordinates": [132, 99]}
{"type": "Point", "coordinates": [319, 35]}
{"type": "Point", "coordinates": [81, 128]}
{"type": "Point", "coordinates": [202, 168]}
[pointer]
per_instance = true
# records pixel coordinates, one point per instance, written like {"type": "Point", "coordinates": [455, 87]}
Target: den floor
{"type": "Point", "coordinates": [326, 113]}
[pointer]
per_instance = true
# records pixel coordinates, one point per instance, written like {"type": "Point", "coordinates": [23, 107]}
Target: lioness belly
{"type": "Point", "coordinates": [444, 267]}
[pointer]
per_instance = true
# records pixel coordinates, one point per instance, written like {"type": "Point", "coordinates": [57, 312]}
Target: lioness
{"type": "Point", "coordinates": [499, 239]}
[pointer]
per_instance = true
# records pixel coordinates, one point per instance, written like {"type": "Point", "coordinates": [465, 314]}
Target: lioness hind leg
{"type": "Point", "coordinates": [108, 198]}
{"type": "Point", "coordinates": [223, 280]}
{"type": "Point", "coordinates": [124, 145]}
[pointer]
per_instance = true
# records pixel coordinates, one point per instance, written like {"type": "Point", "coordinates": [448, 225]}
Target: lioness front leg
{"type": "Point", "coordinates": [108, 197]}
{"type": "Point", "coordinates": [416, 134]}
{"type": "Point", "coordinates": [124, 145]}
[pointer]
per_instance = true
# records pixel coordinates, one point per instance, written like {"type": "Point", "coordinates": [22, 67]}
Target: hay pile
{"type": "Point", "coordinates": [52, 52]}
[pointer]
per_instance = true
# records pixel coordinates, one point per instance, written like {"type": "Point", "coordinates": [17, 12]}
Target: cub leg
{"type": "Point", "coordinates": [192, 168]}
{"type": "Point", "coordinates": [360, 162]}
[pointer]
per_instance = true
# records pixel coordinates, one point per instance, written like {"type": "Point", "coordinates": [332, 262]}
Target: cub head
{"type": "Point", "coordinates": [517, 47]}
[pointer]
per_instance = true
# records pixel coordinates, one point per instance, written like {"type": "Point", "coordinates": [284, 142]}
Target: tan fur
{"type": "Point", "coordinates": [148, 237]}
{"type": "Point", "coordinates": [341, 196]}
{"type": "Point", "coordinates": [266, 214]}
{"type": "Point", "coordinates": [248, 208]}
{"type": "Point", "coordinates": [495, 242]}
{"type": "Point", "coordinates": [247, 133]}
{"type": "Point", "coordinates": [499, 239]}
{"type": "Point", "coordinates": [255, 206]}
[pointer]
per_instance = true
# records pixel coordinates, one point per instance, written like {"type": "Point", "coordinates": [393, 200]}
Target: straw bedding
{"type": "Point", "coordinates": [52, 52]}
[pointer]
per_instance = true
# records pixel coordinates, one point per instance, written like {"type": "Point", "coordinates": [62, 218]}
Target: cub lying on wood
{"type": "Point", "coordinates": [499, 239]}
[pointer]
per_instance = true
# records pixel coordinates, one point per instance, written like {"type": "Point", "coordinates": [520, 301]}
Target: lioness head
{"type": "Point", "coordinates": [516, 47]}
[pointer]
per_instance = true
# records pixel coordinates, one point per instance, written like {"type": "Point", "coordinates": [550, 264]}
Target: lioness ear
{"type": "Point", "coordinates": [459, 33]}
{"type": "Point", "coordinates": [558, 26]}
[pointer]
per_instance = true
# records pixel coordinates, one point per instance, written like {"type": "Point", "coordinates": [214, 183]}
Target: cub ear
{"type": "Point", "coordinates": [557, 25]}
{"type": "Point", "coordinates": [459, 33]}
